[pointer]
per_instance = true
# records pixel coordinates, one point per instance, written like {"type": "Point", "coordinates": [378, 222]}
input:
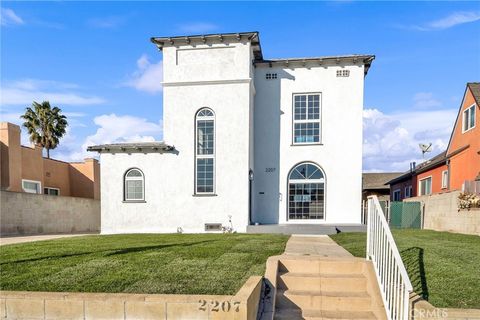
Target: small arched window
{"type": "Point", "coordinates": [306, 192]}
{"type": "Point", "coordinates": [205, 151]}
{"type": "Point", "coordinates": [134, 185]}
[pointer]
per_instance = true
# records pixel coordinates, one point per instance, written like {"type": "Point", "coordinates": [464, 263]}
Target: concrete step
{"type": "Point", "coordinates": [314, 229]}
{"type": "Point", "coordinates": [333, 266]}
{"type": "Point", "coordinates": [322, 282]}
{"type": "Point", "coordinates": [311, 314]}
{"type": "Point", "coordinates": [325, 300]}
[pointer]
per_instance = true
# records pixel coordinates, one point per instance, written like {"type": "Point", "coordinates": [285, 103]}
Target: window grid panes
{"type": "Point", "coordinates": [306, 118]}
{"type": "Point", "coordinates": [426, 186]}
{"type": "Point", "coordinates": [205, 152]}
{"type": "Point", "coordinates": [469, 118]}
{"type": "Point", "coordinates": [306, 193]}
{"type": "Point", "coordinates": [134, 185]}
{"type": "Point", "coordinates": [31, 186]}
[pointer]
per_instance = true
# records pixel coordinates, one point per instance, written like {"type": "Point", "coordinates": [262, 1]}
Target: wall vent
{"type": "Point", "coordinates": [213, 227]}
{"type": "Point", "coordinates": [343, 73]}
{"type": "Point", "coordinates": [271, 76]}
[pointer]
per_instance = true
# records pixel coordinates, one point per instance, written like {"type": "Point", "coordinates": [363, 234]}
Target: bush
{"type": "Point", "coordinates": [468, 200]}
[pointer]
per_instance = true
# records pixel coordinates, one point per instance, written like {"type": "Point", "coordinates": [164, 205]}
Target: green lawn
{"type": "Point", "coordinates": [444, 267]}
{"type": "Point", "coordinates": [168, 263]}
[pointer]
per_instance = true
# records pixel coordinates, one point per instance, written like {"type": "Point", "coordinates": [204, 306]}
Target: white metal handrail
{"type": "Point", "coordinates": [392, 277]}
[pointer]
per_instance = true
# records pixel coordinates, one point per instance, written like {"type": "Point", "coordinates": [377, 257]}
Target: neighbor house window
{"type": "Point", "coordinates": [134, 185]}
{"type": "Point", "coordinates": [469, 118]}
{"type": "Point", "coordinates": [408, 192]}
{"type": "Point", "coordinates": [397, 195]}
{"type": "Point", "coordinates": [31, 186]}
{"type": "Point", "coordinates": [425, 186]}
{"type": "Point", "coordinates": [306, 192]}
{"type": "Point", "coordinates": [306, 118]}
{"type": "Point", "coordinates": [205, 152]}
{"type": "Point", "coordinates": [444, 179]}
{"type": "Point", "coordinates": [51, 191]}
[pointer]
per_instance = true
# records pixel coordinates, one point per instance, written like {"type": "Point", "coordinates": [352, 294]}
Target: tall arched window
{"type": "Point", "coordinates": [205, 152]}
{"type": "Point", "coordinates": [306, 192]}
{"type": "Point", "coordinates": [134, 189]}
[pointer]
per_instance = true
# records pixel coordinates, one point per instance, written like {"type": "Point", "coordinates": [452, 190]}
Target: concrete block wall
{"type": "Point", "coordinates": [24, 213]}
{"type": "Point", "coordinates": [441, 214]}
{"type": "Point", "coordinates": [65, 305]}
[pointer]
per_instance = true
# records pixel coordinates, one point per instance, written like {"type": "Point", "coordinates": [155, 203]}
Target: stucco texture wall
{"type": "Point", "coordinates": [24, 213]}
{"type": "Point", "coordinates": [441, 214]}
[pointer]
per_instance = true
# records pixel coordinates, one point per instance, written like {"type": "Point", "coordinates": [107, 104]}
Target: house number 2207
{"type": "Point", "coordinates": [216, 306]}
{"type": "Point", "coordinates": [269, 169]}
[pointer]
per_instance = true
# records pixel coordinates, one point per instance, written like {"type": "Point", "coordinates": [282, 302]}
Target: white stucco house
{"type": "Point", "coordinates": [247, 140]}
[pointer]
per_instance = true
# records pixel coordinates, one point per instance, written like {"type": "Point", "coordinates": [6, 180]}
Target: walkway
{"type": "Point", "coordinates": [322, 246]}
{"type": "Point", "coordinates": [21, 239]}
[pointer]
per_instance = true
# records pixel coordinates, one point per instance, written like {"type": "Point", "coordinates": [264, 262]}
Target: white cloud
{"type": "Point", "coordinates": [450, 21]}
{"type": "Point", "coordinates": [25, 91]}
{"type": "Point", "coordinates": [197, 27]}
{"type": "Point", "coordinates": [9, 17]}
{"type": "Point", "coordinates": [425, 100]}
{"type": "Point", "coordinates": [390, 141]}
{"type": "Point", "coordinates": [112, 129]}
{"type": "Point", "coordinates": [148, 76]}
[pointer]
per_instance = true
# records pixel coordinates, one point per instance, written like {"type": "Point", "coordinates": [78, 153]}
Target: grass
{"type": "Point", "coordinates": [167, 263]}
{"type": "Point", "coordinates": [443, 267]}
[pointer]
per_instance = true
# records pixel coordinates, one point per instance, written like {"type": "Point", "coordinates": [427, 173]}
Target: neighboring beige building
{"type": "Point", "coordinates": [24, 169]}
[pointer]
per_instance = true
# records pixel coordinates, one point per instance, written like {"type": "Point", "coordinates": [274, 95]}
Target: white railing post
{"type": "Point", "coordinates": [395, 286]}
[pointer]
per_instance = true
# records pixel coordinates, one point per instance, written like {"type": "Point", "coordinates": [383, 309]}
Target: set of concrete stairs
{"type": "Point", "coordinates": [327, 288]}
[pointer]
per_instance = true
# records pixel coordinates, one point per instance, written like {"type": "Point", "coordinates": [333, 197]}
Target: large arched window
{"type": "Point", "coordinates": [205, 152]}
{"type": "Point", "coordinates": [306, 192]}
{"type": "Point", "coordinates": [134, 189]}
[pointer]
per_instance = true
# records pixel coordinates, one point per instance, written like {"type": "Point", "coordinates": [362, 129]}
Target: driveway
{"type": "Point", "coordinates": [21, 239]}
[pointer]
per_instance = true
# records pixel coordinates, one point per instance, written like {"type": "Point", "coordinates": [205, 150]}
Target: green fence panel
{"type": "Point", "coordinates": [405, 215]}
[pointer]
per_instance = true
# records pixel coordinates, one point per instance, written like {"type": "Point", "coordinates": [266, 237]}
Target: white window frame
{"type": "Point", "coordinates": [420, 186]}
{"type": "Point", "coordinates": [319, 120]}
{"type": "Point", "coordinates": [125, 179]}
{"type": "Point", "coordinates": [39, 188]}
{"type": "Point", "coordinates": [444, 179]}
{"type": "Point", "coordinates": [399, 192]}
{"type": "Point", "coordinates": [468, 113]}
{"type": "Point", "coordinates": [51, 188]}
{"type": "Point", "coordinates": [409, 193]}
{"type": "Point", "coordinates": [205, 156]}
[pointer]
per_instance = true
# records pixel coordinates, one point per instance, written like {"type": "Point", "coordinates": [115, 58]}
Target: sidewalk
{"type": "Point", "coordinates": [319, 245]}
{"type": "Point", "coordinates": [21, 239]}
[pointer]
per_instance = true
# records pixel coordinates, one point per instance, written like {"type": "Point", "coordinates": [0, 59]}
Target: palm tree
{"type": "Point", "coordinates": [45, 125]}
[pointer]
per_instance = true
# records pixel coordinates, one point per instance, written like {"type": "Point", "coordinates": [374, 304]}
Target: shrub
{"type": "Point", "coordinates": [468, 200]}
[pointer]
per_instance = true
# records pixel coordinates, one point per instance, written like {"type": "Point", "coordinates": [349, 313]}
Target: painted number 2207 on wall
{"type": "Point", "coordinates": [217, 306]}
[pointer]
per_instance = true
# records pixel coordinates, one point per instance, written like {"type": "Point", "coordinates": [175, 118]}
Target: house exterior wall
{"type": "Point", "coordinates": [24, 163]}
{"type": "Point", "coordinates": [436, 174]}
{"type": "Point", "coordinates": [402, 185]}
{"type": "Point", "coordinates": [465, 166]}
{"type": "Point", "coordinates": [217, 77]}
{"type": "Point", "coordinates": [339, 154]}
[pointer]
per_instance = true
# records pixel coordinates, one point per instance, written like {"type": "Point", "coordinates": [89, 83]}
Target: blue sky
{"type": "Point", "coordinates": [95, 61]}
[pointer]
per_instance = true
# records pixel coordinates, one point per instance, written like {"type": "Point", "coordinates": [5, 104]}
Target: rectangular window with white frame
{"type": "Point", "coordinates": [307, 111]}
{"type": "Point", "coordinates": [32, 186]}
{"type": "Point", "coordinates": [408, 192]}
{"type": "Point", "coordinates": [469, 118]}
{"type": "Point", "coordinates": [444, 179]}
{"type": "Point", "coordinates": [397, 195]}
{"type": "Point", "coordinates": [51, 191]}
{"type": "Point", "coordinates": [425, 186]}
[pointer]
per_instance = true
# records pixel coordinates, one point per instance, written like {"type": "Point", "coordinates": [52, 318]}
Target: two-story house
{"type": "Point", "coordinates": [248, 140]}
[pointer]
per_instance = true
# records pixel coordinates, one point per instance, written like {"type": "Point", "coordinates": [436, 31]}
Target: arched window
{"type": "Point", "coordinates": [205, 152]}
{"type": "Point", "coordinates": [134, 185]}
{"type": "Point", "coordinates": [306, 192]}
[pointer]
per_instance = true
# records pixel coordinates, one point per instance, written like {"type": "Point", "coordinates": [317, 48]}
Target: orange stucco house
{"type": "Point", "coordinates": [24, 169]}
{"type": "Point", "coordinates": [463, 151]}
{"type": "Point", "coordinates": [458, 167]}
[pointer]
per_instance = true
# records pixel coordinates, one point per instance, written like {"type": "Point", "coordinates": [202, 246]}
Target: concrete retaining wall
{"type": "Point", "coordinates": [63, 305]}
{"type": "Point", "coordinates": [441, 214]}
{"type": "Point", "coordinates": [24, 213]}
